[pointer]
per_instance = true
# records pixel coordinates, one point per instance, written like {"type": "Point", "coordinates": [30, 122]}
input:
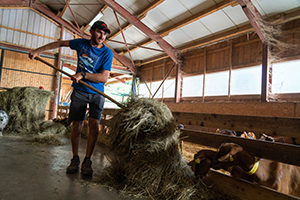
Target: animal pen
{"type": "Point", "coordinates": [195, 123]}
{"type": "Point", "coordinates": [268, 112]}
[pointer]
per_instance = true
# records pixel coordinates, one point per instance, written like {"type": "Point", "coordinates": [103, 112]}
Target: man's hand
{"type": "Point", "coordinates": [77, 77]}
{"type": "Point", "coordinates": [32, 54]}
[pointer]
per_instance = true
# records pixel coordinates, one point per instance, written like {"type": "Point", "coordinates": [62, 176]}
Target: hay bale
{"type": "Point", "coordinates": [25, 107]}
{"type": "Point", "coordinates": [148, 161]}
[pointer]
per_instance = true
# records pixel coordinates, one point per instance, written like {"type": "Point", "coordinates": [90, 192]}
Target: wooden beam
{"type": "Point", "coordinates": [289, 127]}
{"type": "Point", "coordinates": [254, 17]}
{"type": "Point", "coordinates": [217, 38]}
{"type": "Point", "coordinates": [71, 67]}
{"type": "Point", "coordinates": [225, 35]}
{"type": "Point", "coordinates": [265, 74]}
{"type": "Point", "coordinates": [19, 30]}
{"type": "Point", "coordinates": [110, 111]}
{"type": "Point", "coordinates": [207, 41]}
{"type": "Point", "coordinates": [57, 81]}
{"type": "Point", "coordinates": [204, 74]}
{"type": "Point", "coordinates": [280, 152]}
{"type": "Point", "coordinates": [123, 80]}
{"type": "Point", "coordinates": [105, 122]}
{"type": "Point", "coordinates": [27, 50]}
{"type": "Point", "coordinates": [241, 189]}
{"type": "Point", "coordinates": [189, 20]}
{"type": "Point", "coordinates": [230, 70]}
{"type": "Point", "coordinates": [140, 16]}
{"type": "Point", "coordinates": [178, 83]}
{"type": "Point", "coordinates": [125, 62]}
{"type": "Point", "coordinates": [284, 18]}
{"type": "Point", "coordinates": [60, 14]}
{"type": "Point", "coordinates": [269, 109]}
{"type": "Point", "coordinates": [174, 54]}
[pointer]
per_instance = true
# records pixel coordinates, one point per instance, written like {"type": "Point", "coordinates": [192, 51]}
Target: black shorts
{"type": "Point", "coordinates": [79, 101]}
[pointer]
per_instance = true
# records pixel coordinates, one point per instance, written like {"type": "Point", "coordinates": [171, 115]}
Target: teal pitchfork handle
{"type": "Point", "coordinates": [80, 81]}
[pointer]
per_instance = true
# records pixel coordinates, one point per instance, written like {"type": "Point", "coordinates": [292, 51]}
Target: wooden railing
{"type": "Point", "coordinates": [237, 188]}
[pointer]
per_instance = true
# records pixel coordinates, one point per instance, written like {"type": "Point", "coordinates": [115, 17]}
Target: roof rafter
{"type": "Point", "coordinates": [40, 7]}
{"type": "Point", "coordinates": [254, 17]}
{"type": "Point", "coordinates": [140, 16]}
{"type": "Point", "coordinates": [60, 14]}
{"type": "Point", "coordinates": [189, 20]}
{"type": "Point", "coordinates": [207, 41]}
{"type": "Point", "coordinates": [284, 18]}
{"type": "Point", "coordinates": [170, 50]}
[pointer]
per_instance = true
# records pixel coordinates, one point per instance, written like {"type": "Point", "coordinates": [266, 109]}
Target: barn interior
{"type": "Point", "coordinates": [215, 64]}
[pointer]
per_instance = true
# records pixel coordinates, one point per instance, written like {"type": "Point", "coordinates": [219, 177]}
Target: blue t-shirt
{"type": "Point", "coordinates": [91, 60]}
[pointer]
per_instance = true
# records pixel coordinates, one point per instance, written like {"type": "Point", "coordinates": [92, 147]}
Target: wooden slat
{"type": "Point", "coordinates": [278, 109]}
{"type": "Point", "coordinates": [285, 153]}
{"type": "Point", "coordinates": [109, 111]}
{"type": "Point", "coordinates": [237, 188]}
{"type": "Point", "coordinates": [105, 122]}
{"type": "Point", "coordinates": [289, 127]}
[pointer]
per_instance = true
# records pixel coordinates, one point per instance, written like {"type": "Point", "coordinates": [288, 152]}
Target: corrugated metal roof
{"type": "Point", "coordinates": [159, 18]}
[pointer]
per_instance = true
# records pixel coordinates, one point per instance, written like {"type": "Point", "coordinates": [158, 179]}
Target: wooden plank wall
{"type": "Point", "coordinates": [271, 109]}
{"type": "Point", "coordinates": [19, 71]}
{"type": "Point", "coordinates": [274, 126]}
{"type": "Point", "coordinates": [241, 52]}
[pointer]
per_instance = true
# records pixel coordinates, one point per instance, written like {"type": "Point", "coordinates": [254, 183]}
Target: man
{"type": "Point", "coordinates": [94, 65]}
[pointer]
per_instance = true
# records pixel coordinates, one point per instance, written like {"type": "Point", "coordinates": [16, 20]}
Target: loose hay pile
{"type": "Point", "coordinates": [25, 107]}
{"type": "Point", "coordinates": [45, 140]}
{"type": "Point", "coordinates": [148, 162]}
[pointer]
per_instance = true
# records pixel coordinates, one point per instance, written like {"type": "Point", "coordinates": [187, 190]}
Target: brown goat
{"type": "Point", "coordinates": [281, 139]}
{"type": "Point", "coordinates": [242, 134]}
{"type": "Point", "coordinates": [279, 176]}
{"type": "Point", "coordinates": [203, 161]}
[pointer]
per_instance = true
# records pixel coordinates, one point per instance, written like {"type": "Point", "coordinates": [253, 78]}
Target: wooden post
{"type": "Point", "coordinates": [204, 74]}
{"type": "Point", "coordinates": [57, 81]}
{"type": "Point", "coordinates": [178, 84]}
{"type": "Point", "coordinates": [265, 74]}
{"type": "Point", "coordinates": [230, 70]}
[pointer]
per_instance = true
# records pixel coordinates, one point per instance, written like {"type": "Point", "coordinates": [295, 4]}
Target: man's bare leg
{"type": "Point", "coordinates": [93, 136]}
{"type": "Point", "coordinates": [75, 140]}
{"type": "Point", "coordinates": [86, 167]}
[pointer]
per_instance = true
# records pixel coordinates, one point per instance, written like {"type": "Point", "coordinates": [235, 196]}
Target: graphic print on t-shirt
{"type": "Point", "coordinates": [87, 60]}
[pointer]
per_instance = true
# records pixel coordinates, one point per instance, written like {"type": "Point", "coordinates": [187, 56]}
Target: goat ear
{"type": "Point", "coordinates": [225, 158]}
{"type": "Point", "coordinates": [191, 163]}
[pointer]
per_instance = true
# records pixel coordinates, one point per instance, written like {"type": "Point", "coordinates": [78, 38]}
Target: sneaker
{"type": "Point", "coordinates": [86, 167]}
{"type": "Point", "coordinates": [74, 166]}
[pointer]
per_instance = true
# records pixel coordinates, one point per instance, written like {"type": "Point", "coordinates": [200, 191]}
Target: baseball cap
{"type": "Point", "coordinates": [100, 25]}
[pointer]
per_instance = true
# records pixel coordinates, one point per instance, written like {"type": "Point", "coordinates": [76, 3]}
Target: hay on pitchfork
{"type": "Point", "coordinates": [25, 107]}
{"type": "Point", "coordinates": [148, 162]}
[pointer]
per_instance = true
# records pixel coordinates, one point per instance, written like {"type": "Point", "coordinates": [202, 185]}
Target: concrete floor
{"type": "Point", "coordinates": [36, 172]}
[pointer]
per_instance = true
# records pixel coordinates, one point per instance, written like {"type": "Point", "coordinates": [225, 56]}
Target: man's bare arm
{"type": "Point", "coordinates": [99, 77]}
{"type": "Point", "coordinates": [53, 45]}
